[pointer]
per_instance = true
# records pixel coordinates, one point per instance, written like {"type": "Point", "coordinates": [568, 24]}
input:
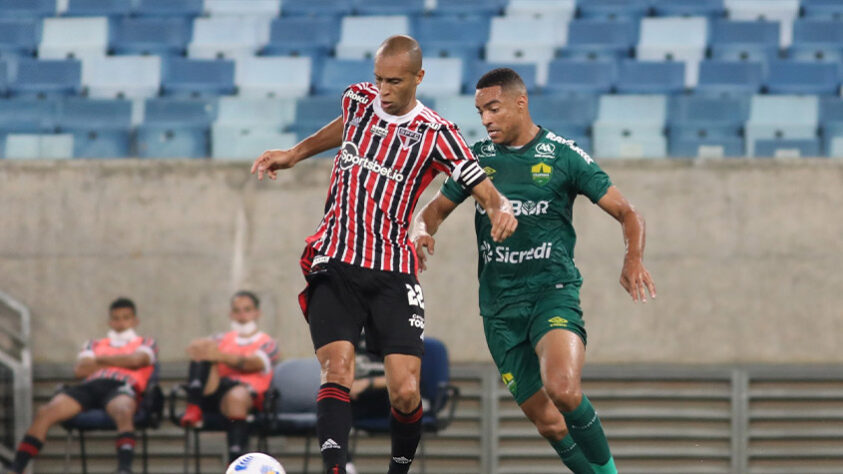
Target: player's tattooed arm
{"type": "Point", "coordinates": [498, 208]}
{"type": "Point", "coordinates": [635, 278]}
{"type": "Point", "coordinates": [329, 136]}
{"type": "Point", "coordinates": [426, 224]}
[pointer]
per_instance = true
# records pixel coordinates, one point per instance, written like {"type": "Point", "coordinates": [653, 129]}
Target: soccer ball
{"type": "Point", "coordinates": [255, 463]}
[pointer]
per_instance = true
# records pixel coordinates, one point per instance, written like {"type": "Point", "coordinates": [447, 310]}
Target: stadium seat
{"type": "Point", "coordinates": [100, 128]}
{"type": "Point", "coordinates": [781, 117]}
{"type": "Point", "coordinates": [361, 36]}
{"type": "Point", "coordinates": [702, 126]}
{"type": "Point", "coordinates": [27, 115]}
{"type": "Point", "coordinates": [835, 148]}
{"type": "Point", "coordinates": [316, 8]}
{"type": "Point", "coordinates": [460, 110]}
{"type": "Point", "coordinates": [19, 36]}
{"type": "Point", "coordinates": [796, 77]}
{"type": "Point", "coordinates": [197, 77]}
{"type": "Point", "coordinates": [827, 9]}
{"type": "Point", "coordinates": [817, 40]}
{"type": "Point", "coordinates": [30, 9]}
{"type": "Point", "coordinates": [337, 74]}
{"type": "Point", "coordinates": [601, 39]}
{"type": "Point", "coordinates": [783, 11]}
{"type": "Point", "coordinates": [674, 39]}
{"type": "Point", "coordinates": [568, 116]}
{"type": "Point", "coordinates": [630, 126]}
{"type": "Point", "coordinates": [110, 8]}
{"type": "Point", "coordinates": [51, 77]}
{"type": "Point", "coordinates": [613, 9]}
{"type": "Point", "coordinates": [787, 148]}
{"type": "Point", "coordinates": [650, 77]}
{"type": "Point", "coordinates": [183, 8]}
{"type": "Point", "coordinates": [708, 8]}
{"type": "Point", "coordinates": [831, 122]}
{"type": "Point", "coordinates": [525, 39]}
{"type": "Point", "coordinates": [313, 113]}
{"type": "Point", "coordinates": [228, 37]}
{"type": "Point", "coordinates": [745, 40]}
{"type": "Point", "coordinates": [73, 38]}
{"type": "Point", "coordinates": [528, 73]}
{"type": "Point", "coordinates": [175, 128]}
{"type": "Point", "coordinates": [150, 35]}
{"type": "Point", "coordinates": [273, 77]}
{"type": "Point", "coordinates": [389, 7]}
{"type": "Point", "coordinates": [131, 77]}
{"type": "Point", "coordinates": [718, 77]}
{"type": "Point", "coordinates": [452, 37]}
{"type": "Point", "coordinates": [469, 8]}
{"type": "Point", "coordinates": [4, 78]}
{"type": "Point", "coordinates": [245, 143]}
{"type": "Point", "coordinates": [266, 8]}
{"type": "Point", "coordinates": [294, 36]}
{"type": "Point", "coordinates": [257, 113]}
{"type": "Point", "coordinates": [578, 76]}
{"type": "Point", "coordinates": [443, 76]}
{"type": "Point", "coordinates": [557, 10]}
{"type": "Point", "coordinates": [38, 146]}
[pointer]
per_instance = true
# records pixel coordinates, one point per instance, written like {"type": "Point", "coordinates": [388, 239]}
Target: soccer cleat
{"type": "Point", "coordinates": [192, 417]}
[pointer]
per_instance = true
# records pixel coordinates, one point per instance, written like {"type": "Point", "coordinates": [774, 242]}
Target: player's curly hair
{"type": "Point", "coordinates": [505, 77]}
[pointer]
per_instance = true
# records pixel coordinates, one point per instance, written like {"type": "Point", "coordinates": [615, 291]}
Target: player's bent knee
{"type": "Point", "coordinates": [404, 397]}
{"type": "Point", "coordinates": [565, 393]}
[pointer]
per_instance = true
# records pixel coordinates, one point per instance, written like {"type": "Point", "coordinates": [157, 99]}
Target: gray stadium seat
{"type": "Point", "coordinates": [630, 126]}
{"type": "Point", "coordinates": [782, 11]}
{"type": "Point", "coordinates": [228, 37]}
{"type": "Point", "coordinates": [782, 117]}
{"type": "Point", "coordinates": [361, 36]}
{"type": "Point", "coordinates": [132, 77]}
{"type": "Point", "coordinates": [73, 38]}
{"type": "Point", "coordinates": [266, 8]}
{"type": "Point", "coordinates": [281, 77]}
{"type": "Point", "coordinates": [39, 146]}
{"type": "Point", "coordinates": [443, 77]}
{"type": "Point", "coordinates": [674, 39]}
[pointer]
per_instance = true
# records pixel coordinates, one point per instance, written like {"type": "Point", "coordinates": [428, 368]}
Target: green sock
{"type": "Point", "coordinates": [586, 430]}
{"type": "Point", "coordinates": [572, 455]}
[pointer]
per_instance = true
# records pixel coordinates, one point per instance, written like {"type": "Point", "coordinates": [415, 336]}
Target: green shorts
{"type": "Point", "coordinates": [513, 333]}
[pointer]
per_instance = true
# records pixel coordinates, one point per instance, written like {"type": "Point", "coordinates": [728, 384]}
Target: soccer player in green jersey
{"type": "Point", "coordinates": [529, 285]}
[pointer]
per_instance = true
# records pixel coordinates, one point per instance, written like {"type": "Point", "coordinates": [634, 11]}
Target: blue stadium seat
{"type": "Point", "coordinates": [275, 76]}
{"type": "Point", "coordinates": [476, 70]}
{"type": "Point", "coordinates": [452, 37]}
{"type": "Point", "coordinates": [781, 117]}
{"type": "Point", "coordinates": [595, 39]}
{"type": "Point", "coordinates": [794, 77]}
{"type": "Point", "coordinates": [131, 77]}
{"type": "Point", "coordinates": [19, 36]}
{"type": "Point", "coordinates": [111, 8]}
{"type": "Point", "coordinates": [630, 126]}
{"type": "Point", "coordinates": [244, 143]}
{"type": "Point", "coordinates": [831, 122]}
{"type": "Point", "coordinates": [316, 8]}
{"type": "Point", "coordinates": [264, 8]}
{"type": "Point", "coordinates": [709, 8]}
{"type": "Point", "coordinates": [651, 77]}
{"type": "Point", "coordinates": [150, 35]}
{"type": "Point", "coordinates": [613, 9]}
{"type": "Point", "coordinates": [389, 7]}
{"type": "Point", "coordinates": [100, 128]}
{"type": "Point", "coordinates": [561, 11]}
{"type": "Point", "coordinates": [818, 40]}
{"type": "Point", "coordinates": [360, 36]}
{"type": "Point", "coordinates": [707, 126]}
{"type": "Point", "coordinates": [782, 11]}
{"type": "Point", "coordinates": [577, 76]}
{"type": "Point", "coordinates": [295, 36]}
{"type": "Point", "coordinates": [176, 128]}
{"type": "Point", "coordinates": [197, 77]}
{"type": "Point", "coordinates": [828, 9]}
{"type": "Point", "coordinates": [787, 148]}
{"type": "Point", "coordinates": [718, 77]}
{"type": "Point", "coordinates": [256, 113]}
{"type": "Point", "coordinates": [169, 8]}
{"type": "Point", "coordinates": [73, 38]}
{"type": "Point", "coordinates": [567, 116]}
{"type": "Point", "coordinates": [745, 40]}
{"type": "Point", "coordinates": [337, 74]}
{"type": "Point", "coordinates": [50, 77]}
{"type": "Point", "coordinates": [27, 8]}
{"type": "Point", "coordinates": [313, 113]}
{"type": "Point", "coordinates": [4, 78]}
{"type": "Point", "coordinates": [28, 115]}
{"type": "Point", "coordinates": [469, 8]}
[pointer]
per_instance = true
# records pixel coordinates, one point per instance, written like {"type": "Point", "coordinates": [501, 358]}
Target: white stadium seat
{"type": "Point", "coordinates": [270, 8]}
{"type": "Point", "coordinates": [781, 116]}
{"type": "Point", "coordinates": [228, 37]}
{"type": "Point", "coordinates": [131, 77]}
{"type": "Point", "coordinates": [557, 10]}
{"type": "Point", "coordinates": [73, 37]}
{"type": "Point", "coordinates": [360, 36]}
{"type": "Point", "coordinates": [283, 77]}
{"type": "Point", "coordinates": [631, 126]}
{"type": "Point", "coordinates": [675, 39]}
{"type": "Point", "coordinates": [782, 11]}
{"type": "Point", "coordinates": [442, 77]}
{"type": "Point", "coordinates": [25, 146]}
{"type": "Point", "coordinates": [272, 113]}
{"type": "Point", "coordinates": [246, 143]}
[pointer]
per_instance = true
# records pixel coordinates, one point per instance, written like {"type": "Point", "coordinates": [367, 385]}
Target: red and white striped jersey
{"type": "Point", "coordinates": [381, 169]}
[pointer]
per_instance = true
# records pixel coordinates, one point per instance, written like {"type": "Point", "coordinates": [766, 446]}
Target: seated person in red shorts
{"type": "Point", "coordinates": [231, 372]}
{"type": "Point", "coordinates": [116, 370]}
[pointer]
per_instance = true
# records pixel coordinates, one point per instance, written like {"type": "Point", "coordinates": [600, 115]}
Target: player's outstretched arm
{"type": "Point", "coordinates": [426, 224]}
{"type": "Point", "coordinates": [635, 278]}
{"type": "Point", "coordinates": [498, 208]}
{"type": "Point", "coordinates": [329, 136]}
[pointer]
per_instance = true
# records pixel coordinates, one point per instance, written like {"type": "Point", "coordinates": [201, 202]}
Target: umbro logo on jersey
{"type": "Point", "coordinates": [379, 131]}
{"type": "Point", "coordinates": [350, 156]}
{"type": "Point", "coordinates": [408, 137]}
{"type": "Point", "coordinates": [330, 444]}
{"type": "Point", "coordinates": [355, 96]}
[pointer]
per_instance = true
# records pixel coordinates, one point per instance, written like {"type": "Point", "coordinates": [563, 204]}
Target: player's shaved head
{"type": "Point", "coordinates": [508, 80]}
{"type": "Point", "coordinates": [402, 44]}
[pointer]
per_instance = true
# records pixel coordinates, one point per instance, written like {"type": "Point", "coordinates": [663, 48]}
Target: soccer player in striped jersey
{"type": "Point", "coordinates": [116, 370]}
{"type": "Point", "coordinates": [529, 287]}
{"type": "Point", "coordinates": [359, 264]}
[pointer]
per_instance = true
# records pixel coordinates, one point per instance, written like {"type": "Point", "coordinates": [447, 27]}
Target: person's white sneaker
{"type": "Point", "coordinates": [350, 469]}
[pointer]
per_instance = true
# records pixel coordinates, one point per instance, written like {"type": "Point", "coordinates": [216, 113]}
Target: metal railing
{"type": "Point", "coordinates": [15, 373]}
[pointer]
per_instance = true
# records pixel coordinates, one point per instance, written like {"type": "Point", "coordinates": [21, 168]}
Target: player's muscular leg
{"type": "Point", "coordinates": [236, 403]}
{"type": "Point", "coordinates": [121, 409]}
{"type": "Point", "coordinates": [561, 357]}
{"type": "Point", "coordinates": [403, 373]}
{"type": "Point", "coordinates": [60, 408]}
{"type": "Point", "coordinates": [337, 361]}
{"type": "Point", "coordinates": [543, 413]}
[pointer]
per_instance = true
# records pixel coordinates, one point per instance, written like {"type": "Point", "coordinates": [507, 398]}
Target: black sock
{"type": "Point", "coordinates": [197, 377]}
{"type": "Point", "coordinates": [125, 450]}
{"type": "Point", "coordinates": [333, 422]}
{"type": "Point", "coordinates": [27, 449]}
{"type": "Point", "coordinates": [406, 433]}
{"type": "Point", "coordinates": [238, 438]}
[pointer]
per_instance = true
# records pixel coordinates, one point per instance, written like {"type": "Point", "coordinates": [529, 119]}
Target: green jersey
{"type": "Point", "coordinates": [541, 179]}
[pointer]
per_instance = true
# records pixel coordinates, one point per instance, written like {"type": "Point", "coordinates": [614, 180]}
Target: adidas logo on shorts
{"type": "Point", "coordinates": [329, 444]}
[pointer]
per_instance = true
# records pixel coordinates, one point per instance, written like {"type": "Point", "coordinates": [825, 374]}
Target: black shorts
{"type": "Point", "coordinates": [343, 299]}
{"type": "Point", "coordinates": [97, 393]}
{"type": "Point", "coordinates": [211, 402]}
